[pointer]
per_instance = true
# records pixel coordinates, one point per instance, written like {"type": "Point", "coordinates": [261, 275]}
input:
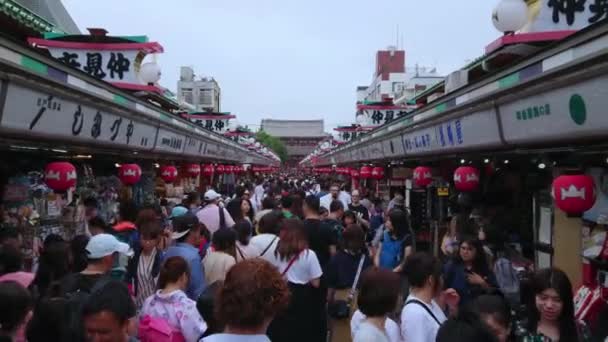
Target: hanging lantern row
{"type": "Point", "coordinates": [322, 170]}
{"type": "Point", "coordinates": [193, 170]}
{"type": "Point", "coordinates": [466, 179]}
{"type": "Point", "coordinates": [343, 170]}
{"type": "Point", "coordinates": [168, 173]}
{"type": "Point", "coordinates": [365, 172]}
{"type": "Point", "coordinates": [263, 169]}
{"type": "Point", "coordinates": [377, 172]}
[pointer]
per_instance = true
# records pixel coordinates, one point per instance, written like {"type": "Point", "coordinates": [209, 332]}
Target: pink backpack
{"type": "Point", "coordinates": [156, 329]}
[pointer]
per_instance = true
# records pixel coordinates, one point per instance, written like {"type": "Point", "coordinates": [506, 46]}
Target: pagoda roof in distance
{"type": "Point", "coordinates": [294, 128]}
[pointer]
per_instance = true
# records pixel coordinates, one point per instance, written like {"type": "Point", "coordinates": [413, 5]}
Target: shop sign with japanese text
{"type": "Point", "coordinates": [380, 115]}
{"type": "Point", "coordinates": [107, 65]}
{"type": "Point", "coordinates": [33, 112]}
{"type": "Point", "coordinates": [555, 15]}
{"type": "Point", "coordinates": [575, 111]}
{"type": "Point", "coordinates": [475, 130]}
{"type": "Point", "coordinates": [169, 141]}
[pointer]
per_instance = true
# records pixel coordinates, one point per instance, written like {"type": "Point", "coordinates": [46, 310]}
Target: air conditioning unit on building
{"type": "Point", "coordinates": [456, 80]}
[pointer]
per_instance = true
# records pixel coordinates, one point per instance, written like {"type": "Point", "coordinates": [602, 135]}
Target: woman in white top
{"type": "Point", "coordinates": [422, 316]}
{"type": "Point", "coordinates": [300, 267]}
{"type": "Point", "coordinates": [393, 332]}
{"type": "Point", "coordinates": [218, 261]}
{"type": "Point", "coordinates": [244, 249]}
{"type": "Point", "coordinates": [267, 240]}
{"type": "Point", "coordinates": [377, 298]}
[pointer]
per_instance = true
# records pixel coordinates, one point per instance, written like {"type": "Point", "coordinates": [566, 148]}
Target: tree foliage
{"type": "Point", "coordinates": [273, 143]}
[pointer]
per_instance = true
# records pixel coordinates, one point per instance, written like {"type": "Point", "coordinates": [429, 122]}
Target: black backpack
{"type": "Point", "coordinates": [76, 299]}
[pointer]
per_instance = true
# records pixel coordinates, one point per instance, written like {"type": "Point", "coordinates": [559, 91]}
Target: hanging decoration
{"type": "Point", "coordinates": [208, 170]}
{"type": "Point", "coordinates": [193, 170]}
{"type": "Point", "coordinates": [229, 169]}
{"type": "Point", "coordinates": [60, 176]}
{"type": "Point", "coordinates": [466, 178]}
{"type": "Point", "coordinates": [574, 194]}
{"type": "Point", "coordinates": [129, 174]}
{"type": "Point", "coordinates": [220, 169]}
{"type": "Point", "coordinates": [378, 172]}
{"type": "Point", "coordinates": [168, 173]}
{"type": "Point", "coordinates": [366, 172]}
{"type": "Point", "coordinates": [423, 176]}
{"type": "Point", "coordinates": [354, 173]}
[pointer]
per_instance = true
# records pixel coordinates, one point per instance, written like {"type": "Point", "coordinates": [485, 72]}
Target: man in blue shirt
{"type": "Point", "coordinates": [187, 236]}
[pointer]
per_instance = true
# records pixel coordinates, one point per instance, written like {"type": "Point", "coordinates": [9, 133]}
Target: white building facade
{"type": "Point", "coordinates": [203, 94]}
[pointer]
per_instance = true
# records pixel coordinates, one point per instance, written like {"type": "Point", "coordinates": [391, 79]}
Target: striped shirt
{"type": "Point", "coordinates": [146, 283]}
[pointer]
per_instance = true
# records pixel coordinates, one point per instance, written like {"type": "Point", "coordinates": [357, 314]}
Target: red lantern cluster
{"type": "Point", "coordinates": [60, 176]}
{"type": "Point", "coordinates": [343, 170]}
{"type": "Point", "coordinates": [354, 173]}
{"type": "Point", "coordinates": [229, 169]}
{"type": "Point", "coordinates": [129, 174]}
{"type": "Point", "coordinates": [466, 179]}
{"type": "Point", "coordinates": [365, 172]}
{"type": "Point", "coordinates": [322, 170]}
{"type": "Point", "coordinates": [220, 169]}
{"type": "Point", "coordinates": [262, 169]}
{"type": "Point", "coordinates": [377, 172]}
{"type": "Point", "coordinates": [193, 170]}
{"type": "Point", "coordinates": [574, 194]}
{"type": "Point", "coordinates": [168, 173]}
{"type": "Point", "coordinates": [238, 169]}
{"type": "Point", "coordinates": [423, 176]}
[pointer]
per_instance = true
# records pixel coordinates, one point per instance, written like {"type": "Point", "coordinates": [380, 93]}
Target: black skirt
{"type": "Point", "coordinates": [305, 319]}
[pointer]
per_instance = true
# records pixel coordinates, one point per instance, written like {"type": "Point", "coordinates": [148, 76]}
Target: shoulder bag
{"type": "Point", "coordinates": [340, 309]}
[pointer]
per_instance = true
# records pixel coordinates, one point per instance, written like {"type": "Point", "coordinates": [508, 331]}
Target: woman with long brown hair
{"type": "Point", "coordinates": [300, 267]}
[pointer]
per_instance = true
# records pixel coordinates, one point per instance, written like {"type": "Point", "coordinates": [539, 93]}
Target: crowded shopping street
{"type": "Point", "coordinates": [228, 172]}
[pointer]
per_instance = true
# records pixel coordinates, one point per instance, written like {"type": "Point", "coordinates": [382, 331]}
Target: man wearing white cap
{"type": "Point", "coordinates": [102, 251]}
{"type": "Point", "coordinates": [212, 216]}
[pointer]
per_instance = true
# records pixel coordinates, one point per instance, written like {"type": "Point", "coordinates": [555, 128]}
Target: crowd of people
{"type": "Point", "coordinates": [280, 260]}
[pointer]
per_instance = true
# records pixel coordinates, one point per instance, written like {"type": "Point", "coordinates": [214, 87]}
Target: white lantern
{"type": "Point", "coordinates": [257, 144]}
{"type": "Point", "coordinates": [233, 125]}
{"type": "Point", "coordinates": [149, 73]}
{"type": "Point", "coordinates": [510, 15]}
{"type": "Point", "coordinates": [251, 141]}
{"type": "Point", "coordinates": [361, 119]}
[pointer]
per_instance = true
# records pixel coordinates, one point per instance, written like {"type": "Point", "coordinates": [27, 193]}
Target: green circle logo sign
{"type": "Point", "coordinates": [578, 110]}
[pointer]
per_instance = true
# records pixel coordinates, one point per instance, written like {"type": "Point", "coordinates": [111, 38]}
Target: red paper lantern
{"type": "Point", "coordinates": [238, 169]}
{"type": "Point", "coordinates": [229, 169]}
{"type": "Point", "coordinates": [193, 170]}
{"type": "Point", "coordinates": [365, 172]}
{"type": "Point", "coordinates": [354, 173]}
{"type": "Point", "coordinates": [220, 169]}
{"type": "Point", "coordinates": [574, 194]}
{"type": "Point", "coordinates": [378, 172]}
{"type": "Point", "coordinates": [60, 176]}
{"type": "Point", "coordinates": [423, 176]}
{"type": "Point", "coordinates": [168, 173]}
{"type": "Point", "coordinates": [129, 174]}
{"type": "Point", "coordinates": [466, 178]}
{"type": "Point", "coordinates": [208, 170]}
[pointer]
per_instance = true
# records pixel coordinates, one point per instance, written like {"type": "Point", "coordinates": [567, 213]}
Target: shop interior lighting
{"type": "Point", "coordinates": [486, 161]}
{"type": "Point", "coordinates": [58, 150]}
{"type": "Point", "coordinates": [607, 160]}
{"type": "Point", "coordinates": [156, 165]}
{"type": "Point", "coordinates": [83, 156]}
{"type": "Point", "coordinates": [506, 161]}
{"type": "Point", "coordinates": [117, 165]}
{"type": "Point", "coordinates": [135, 152]}
{"type": "Point", "coordinates": [542, 165]}
{"type": "Point", "coordinates": [31, 148]}
{"type": "Point", "coordinates": [462, 161]}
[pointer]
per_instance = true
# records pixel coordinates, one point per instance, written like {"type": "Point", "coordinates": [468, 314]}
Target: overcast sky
{"type": "Point", "coordinates": [294, 59]}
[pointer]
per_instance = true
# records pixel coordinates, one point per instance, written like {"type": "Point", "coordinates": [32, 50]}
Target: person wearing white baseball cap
{"type": "Point", "coordinates": [213, 216]}
{"type": "Point", "coordinates": [102, 252]}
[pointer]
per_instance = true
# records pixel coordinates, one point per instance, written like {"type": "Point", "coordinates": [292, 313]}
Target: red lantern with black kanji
{"type": "Point", "coordinates": [208, 170]}
{"type": "Point", "coordinates": [574, 194]}
{"type": "Point", "coordinates": [365, 172]}
{"type": "Point", "coordinates": [168, 173]}
{"type": "Point", "coordinates": [238, 169]}
{"type": "Point", "coordinates": [378, 172]}
{"type": "Point", "coordinates": [423, 176]}
{"type": "Point", "coordinates": [193, 170]}
{"type": "Point", "coordinates": [60, 176]}
{"type": "Point", "coordinates": [466, 179]}
{"type": "Point", "coordinates": [129, 174]}
{"type": "Point", "coordinates": [220, 169]}
{"type": "Point", "coordinates": [229, 169]}
{"type": "Point", "coordinates": [354, 173]}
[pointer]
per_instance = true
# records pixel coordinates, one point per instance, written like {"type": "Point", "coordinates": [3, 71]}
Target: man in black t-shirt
{"type": "Point", "coordinates": [321, 239]}
{"type": "Point", "coordinates": [359, 209]}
